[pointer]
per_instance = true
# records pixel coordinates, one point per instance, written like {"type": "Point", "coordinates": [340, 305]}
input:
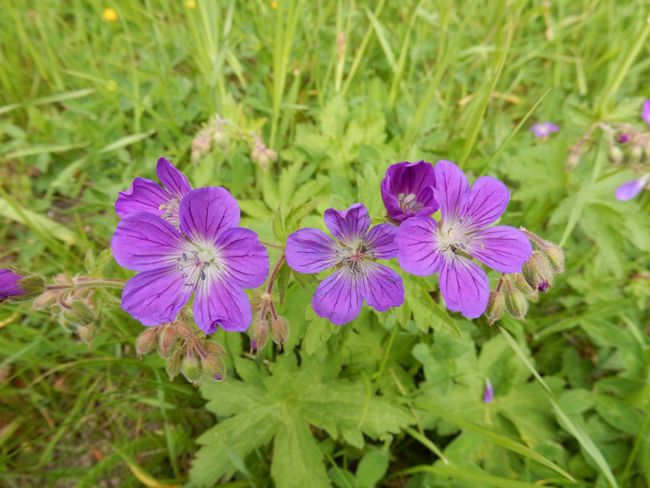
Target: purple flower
{"type": "Point", "coordinates": [148, 196]}
{"type": "Point", "coordinates": [210, 257]}
{"type": "Point", "coordinates": [463, 234]}
{"type": "Point", "coordinates": [407, 190]}
{"type": "Point", "coordinates": [627, 191]}
{"type": "Point", "coordinates": [356, 275]}
{"type": "Point", "coordinates": [9, 284]}
{"type": "Point", "coordinates": [488, 393]}
{"type": "Point", "coordinates": [544, 129]}
{"type": "Point", "coordinates": [645, 111]}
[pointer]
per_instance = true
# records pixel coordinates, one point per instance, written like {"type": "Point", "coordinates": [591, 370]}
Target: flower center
{"type": "Point", "coordinates": [453, 238]}
{"type": "Point", "coordinates": [170, 211]}
{"type": "Point", "coordinates": [198, 263]}
{"type": "Point", "coordinates": [408, 202]}
{"type": "Point", "coordinates": [352, 255]}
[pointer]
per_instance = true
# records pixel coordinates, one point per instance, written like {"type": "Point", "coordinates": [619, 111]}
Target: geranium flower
{"type": "Point", "coordinates": [450, 246]}
{"type": "Point", "coordinates": [543, 129]}
{"type": "Point", "coordinates": [210, 257]}
{"type": "Point", "coordinates": [645, 111]}
{"type": "Point", "coordinates": [407, 190]}
{"type": "Point", "coordinates": [629, 190]}
{"type": "Point", "coordinates": [9, 284]}
{"type": "Point", "coordinates": [148, 196]}
{"type": "Point", "coordinates": [356, 277]}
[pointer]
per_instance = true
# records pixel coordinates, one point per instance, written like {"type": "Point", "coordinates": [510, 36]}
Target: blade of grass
{"type": "Point", "coordinates": [585, 441]}
{"type": "Point", "coordinates": [474, 475]}
{"type": "Point", "coordinates": [495, 437]}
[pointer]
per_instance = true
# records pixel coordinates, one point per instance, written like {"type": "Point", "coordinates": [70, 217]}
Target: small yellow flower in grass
{"type": "Point", "coordinates": [191, 4]}
{"type": "Point", "coordinates": [274, 4]}
{"type": "Point", "coordinates": [109, 15]}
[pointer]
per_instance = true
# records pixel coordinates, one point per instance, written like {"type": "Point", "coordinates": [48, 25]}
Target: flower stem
{"type": "Point", "coordinates": [274, 274]}
{"type": "Point", "coordinates": [100, 283]}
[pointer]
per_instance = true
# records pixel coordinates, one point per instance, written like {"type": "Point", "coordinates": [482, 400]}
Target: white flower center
{"type": "Point", "coordinates": [353, 255]}
{"type": "Point", "coordinates": [408, 202]}
{"type": "Point", "coordinates": [454, 237]}
{"type": "Point", "coordinates": [199, 262]}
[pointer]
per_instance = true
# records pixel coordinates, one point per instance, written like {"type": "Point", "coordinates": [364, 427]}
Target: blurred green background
{"type": "Point", "coordinates": [92, 93]}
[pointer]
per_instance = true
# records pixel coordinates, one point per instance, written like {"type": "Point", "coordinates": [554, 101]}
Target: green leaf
{"type": "Point", "coordinates": [297, 460]}
{"type": "Point", "coordinates": [38, 223]}
{"type": "Point", "coordinates": [372, 468]}
{"type": "Point", "coordinates": [581, 436]}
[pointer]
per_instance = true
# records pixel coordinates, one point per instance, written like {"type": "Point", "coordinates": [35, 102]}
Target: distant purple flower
{"type": "Point", "coordinates": [211, 256]}
{"type": "Point", "coordinates": [356, 275]}
{"type": "Point", "coordinates": [623, 138]}
{"type": "Point", "coordinates": [148, 196]}
{"type": "Point", "coordinates": [449, 246]}
{"type": "Point", "coordinates": [407, 190]}
{"type": "Point", "coordinates": [9, 286]}
{"type": "Point", "coordinates": [629, 190]}
{"type": "Point", "coordinates": [488, 393]}
{"type": "Point", "coordinates": [645, 111]}
{"type": "Point", "coordinates": [544, 129]}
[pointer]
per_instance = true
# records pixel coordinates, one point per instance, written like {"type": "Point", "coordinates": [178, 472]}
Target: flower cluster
{"type": "Point", "coordinates": [448, 246]}
{"type": "Point", "coordinates": [184, 243]}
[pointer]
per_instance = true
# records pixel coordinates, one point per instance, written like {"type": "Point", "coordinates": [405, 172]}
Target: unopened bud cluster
{"type": "Point", "coordinates": [183, 352]}
{"type": "Point", "coordinates": [219, 131]}
{"type": "Point", "coordinates": [515, 291]}
{"type": "Point", "coordinates": [73, 306]}
{"type": "Point", "coordinates": [268, 324]}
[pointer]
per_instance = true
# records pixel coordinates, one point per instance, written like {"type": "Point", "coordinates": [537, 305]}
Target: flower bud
{"type": "Point", "coordinates": [146, 341]}
{"type": "Point", "coordinates": [191, 368]}
{"type": "Point", "coordinates": [167, 341]}
{"type": "Point", "coordinates": [634, 154]}
{"type": "Point", "coordinates": [488, 392]}
{"type": "Point", "coordinates": [573, 159]}
{"type": "Point", "coordinates": [260, 334]}
{"type": "Point", "coordinates": [522, 285]}
{"type": "Point", "coordinates": [173, 364]}
{"type": "Point", "coordinates": [622, 138]}
{"type": "Point", "coordinates": [616, 155]}
{"type": "Point", "coordinates": [554, 255]}
{"type": "Point", "coordinates": [496, 305]}
{"type": "Point", "coordinates": [86, 333]}
{"type": "Point", "coordinates": [280, 331]}
{"type": "Point", "coordinates": [537, 270]}
{"type": "Point", "coordinates": [214, 348]}
{"type": "Point", "coordinates": [84, 313]}
{"type": "Point", "coordinates": [516, 304]}
{"type": "Point", "coordinates": [214, 367]}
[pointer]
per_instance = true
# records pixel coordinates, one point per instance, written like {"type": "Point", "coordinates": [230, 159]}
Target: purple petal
{"type": "Point", "coordinates": [381, 287]}
{"type": "Point", "coordinates": [172, 179]}
{"type": "Point", "coordinates": [464, 286]}
{"type": "Point", "coordinates": [645, 112]}
{"type": "Point", "coordinates": [338, 298]}
{"type": "Point", "coordinates": [144, 242]}
{"type": "Point", "coordinates": [143, 196]}
{"type": "Point", "coordinates": [451, 190]}
{"type": "Point", "coordinates": [627, 191]}
{"type": "Point", "coordinates": [207, 211]}
{"type": "Point", "coordinates": [487, 201]}
{"type": "Point", "coordinates": [246, 259]}
{"type": "Point", "coordinates": [381, 241]}
{"type": "Point", "coordinates": [417, 250]}
{"type": "Point", "coordinates": [348, 225]}
{"type": "Point", "coordinates": [488, 392]}
{"type": "Point", "coordinates": [310, 251]}
{"type": "Point", "coordinates": [502, 248]}
{"type": "Point", "coordinates": [155, 297]}
{"type": "Point", "coordinates": [9, 286]}
{"type": "Point", "coordinates": [544, 129]}
{"type": "Point", "coordinates": [407, 190]}
{"type": "Point", "coordinates": [221, 303]}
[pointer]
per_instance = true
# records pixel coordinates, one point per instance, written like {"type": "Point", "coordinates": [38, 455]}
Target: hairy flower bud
{"type": "Point", "coordinates": [173, 364]}
{"type": "Point", "coordinates": [167, 341]}
{"type": "Point", "coordinates": [214, 348]}
{"type": "Point", "coordinates": [191, 368]}
{"type": "Point", "coordinates": [496, 306]}
{"type": "Point", "coordinates": [84, 313]}
{"type": "Point", "coordinates": [554, 255]}
{"type": "Point", "coordinates": [86, 333]}
{"type": "Point", "coordinates": [516, 304]}
{"type": "Point", "coordinates": [522, 285]}
{"type": "Point", "coordinates": [280, 331]}
{"type": "Point", "coordinates": [616, 155]}
{"type": "Point", "coordinates": [537, 270]}
{"type": "Point", "coordinates": [146, 341]}
{"type": "Point", "coordinates": [214, 367]}
{"type": "Point", "coordinates": [260, 334]}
